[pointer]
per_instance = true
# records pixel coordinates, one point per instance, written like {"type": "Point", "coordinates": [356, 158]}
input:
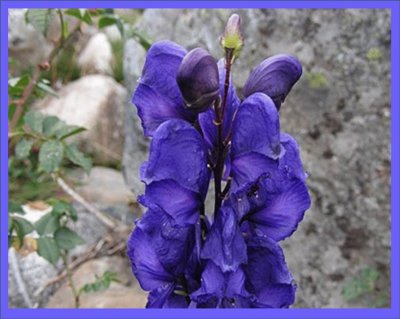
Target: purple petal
{"type": "Point", "coordinates": [179, 203]}
{"type": "Point", "coordinates": [177, 153]}
{"type": "Point", "coordinates": [276, 296]}
{"type": "Point", "coordinates": [285, 203]}
{"type": "Point", "coordinates": [267, 273]}
{"type": "Point", "coordinates": [291, 161]}
{"type": "Point", "coordinates": [153, 108]}
{"type": "Point", "coordinates": [145, 262]}
{"type": "Point", "coordinates": [172, 244]}
{"type": "Point", "coordinates": [218, 289]}
{"type": "Point", "coordinates": [275, 77]}
{"type": "Point", "coordinates": [197, 79]}
{"type": "Point", "coordinates": [256, 128]}
{"type": "Point", "coordinates": [224, 244]}
{"type": "Point", "coordinates": [164, 297]}
{"type": "Point", "coordinates": [157, 96]}
{"type": "Point", "coordinates": [249, 167]}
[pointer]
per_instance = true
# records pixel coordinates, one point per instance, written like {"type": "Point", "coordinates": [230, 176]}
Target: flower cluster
{"type": "Point", "coordinates": [202, 131]}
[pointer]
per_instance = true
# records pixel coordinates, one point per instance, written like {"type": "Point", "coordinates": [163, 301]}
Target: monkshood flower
{"type": "Point", "coordinates": [203, 131]}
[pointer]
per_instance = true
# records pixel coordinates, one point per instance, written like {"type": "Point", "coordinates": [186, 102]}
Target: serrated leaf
{"type": "Point", "coordinates": [67, 238]}
{"type": "Point", "coordinates": [34, 120]}
{"type": "Point", "coordinates": [23, 148]}
{"type": "Point", "coordinates": [78, 158]}
{"type": "Point", "coordinates": [48, 249]}
{"type": "Point", "coordinates": [50, 155]}
{"type": "Point", "coordinates": [47, 224]}
{"type": "Point", "coordinates": [40, 19]}
{"type": "Point", "coordinates": [47, 89]}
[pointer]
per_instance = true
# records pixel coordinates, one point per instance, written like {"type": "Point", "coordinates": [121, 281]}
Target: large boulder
{"type": "Point", "coordinates": [340, 114]}
{"type": "Point", "coordinates": [96, 102]}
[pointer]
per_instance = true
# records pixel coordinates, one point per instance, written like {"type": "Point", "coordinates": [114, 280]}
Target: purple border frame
{"type": "Point", "coordinates": [392, 313]}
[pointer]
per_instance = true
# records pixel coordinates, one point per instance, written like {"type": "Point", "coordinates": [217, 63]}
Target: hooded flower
{"type": "Point", "coordinates": [158, 251]}
{"type": "Point", "coordinates": [198, 80]}
{"type": "Point", "coordinates": [268, 278]}
{"type": "Point", "coordinates": [176, 174]}
{"type": "Point", "coordinates": [274, 77]}
{"type": "Point", "coordinates": [157, 97]}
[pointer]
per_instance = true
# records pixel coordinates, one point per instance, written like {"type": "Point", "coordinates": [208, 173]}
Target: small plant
{"type": "Point", "coordinates": [41, 152]}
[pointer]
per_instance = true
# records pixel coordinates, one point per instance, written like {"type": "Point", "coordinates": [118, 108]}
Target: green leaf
{"type": "Point", "coordinates": [101, 283]}
{"type": "Point", "coordinates": [23, 148]}
{"type": "Point", "coordinates": [46, 88]}
{"type": "Point", "coordinates": [16, 208]}
{"type": "Point", "coordinates": [50, 155]}
{"type": "Point", "coordinates": [22, 227]}
{"type": "Point", "coordinates": [39, 18]}
{"type": "Point", "coordinates": [10, 223]}
{"type": "Point", "coordinates": [62, 208]}
{"type": "Point", "coordinates": [362, 284]}
{"type": "Point", "coordinates": [78, 158]}
{"type": "Point", "coordinates": [48, 249]}
{"type": "Point", "coordinates": [34, 120]}
{"type": "Point", "coordinates": [47, 224]}
{"type": "Point", "coordinates": [86, 17]}
{"type": "Point", "coordinates": [81, 14]}
{"type": "Point", "coordinates": [107, 20]}
{"type": "Point", "coordinates": [17, 85]}
{"type": "Point", "coordinates": [67, 238]}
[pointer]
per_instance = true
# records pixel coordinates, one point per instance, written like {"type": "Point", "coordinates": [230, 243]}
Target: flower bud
{"type": "Point", "coordinates": [198, 80]}
{"type": "Point", "coordinates": [233, 38]}
{"type": "Point", "coordinates": [274, 77]}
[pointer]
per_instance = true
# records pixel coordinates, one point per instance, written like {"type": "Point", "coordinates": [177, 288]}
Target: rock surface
{"type": "Point", "coordinates": [95, 102]}
{"type": "Point", "coordinates": [340, 114]}
{"type": "Point", "coordinates": [125, 294]}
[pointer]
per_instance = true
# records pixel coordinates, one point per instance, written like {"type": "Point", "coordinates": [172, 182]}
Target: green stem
{"type": "Point", "coordinates": [75, 292]}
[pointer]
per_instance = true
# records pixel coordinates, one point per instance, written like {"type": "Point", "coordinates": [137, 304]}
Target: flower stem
{"type": "Point", "coordinates": [219, 115]}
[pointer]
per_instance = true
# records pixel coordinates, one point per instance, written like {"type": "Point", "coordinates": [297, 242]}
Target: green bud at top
{"type": "Point", "coordinates": [233, 38]}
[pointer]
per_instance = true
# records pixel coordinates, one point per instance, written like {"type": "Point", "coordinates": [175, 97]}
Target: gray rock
{"type": "Point", "coordinates": [95, 102]}
{"type": "Point", "coordinates": [340, 114]}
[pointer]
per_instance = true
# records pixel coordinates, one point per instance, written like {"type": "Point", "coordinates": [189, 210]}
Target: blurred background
{"type": "Point", "coordinates": [82, 66]}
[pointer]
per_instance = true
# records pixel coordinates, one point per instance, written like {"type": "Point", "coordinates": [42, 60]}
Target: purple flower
{"type": "Point", "coordinates": [201, 129]}
{"type": "Point", "coordinates": [198, 80]}
{"type": "Point", "coordinates": [157, 96]}
{"type": "Point", "coordinates": [177, 165]}
{"type": "Point", "coordinates": [268, 277]}
{"type": "Point", "coordinates": [225, 244]}
{"type": "Point", "coordinates": [274, 77]}
{"type": "Point", "coordinates": [221, 289]}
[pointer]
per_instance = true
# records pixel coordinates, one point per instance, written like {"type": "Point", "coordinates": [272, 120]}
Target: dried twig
{"type": "Point", "coordinates": [111, 223]}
